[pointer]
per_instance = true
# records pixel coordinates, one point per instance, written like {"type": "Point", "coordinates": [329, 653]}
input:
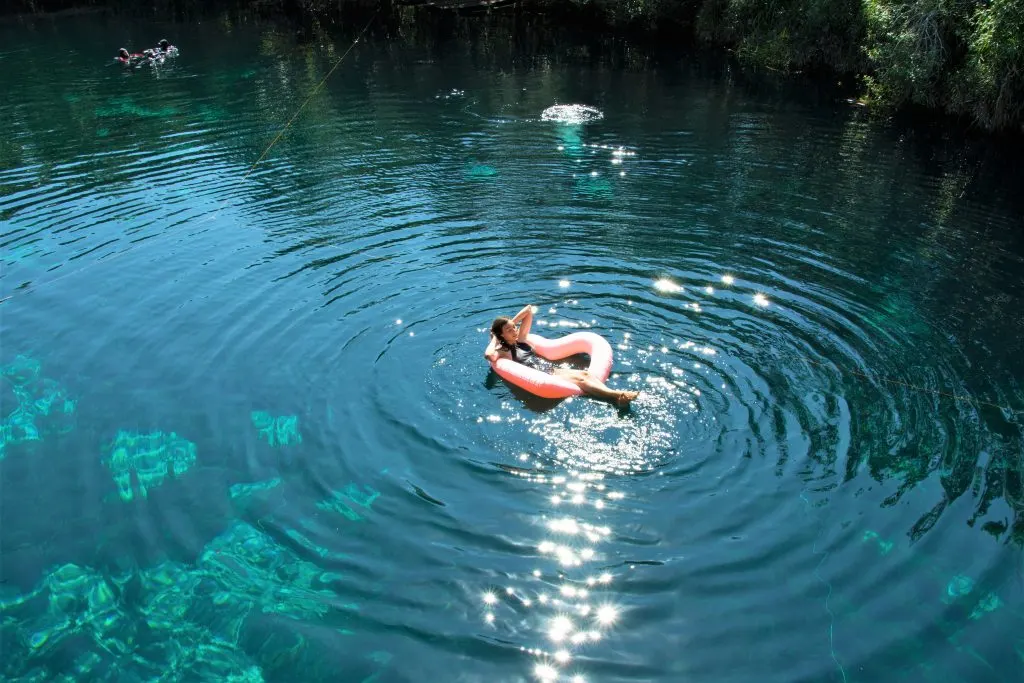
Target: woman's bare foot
{"type": "Point", "coordinates": [624, 397]}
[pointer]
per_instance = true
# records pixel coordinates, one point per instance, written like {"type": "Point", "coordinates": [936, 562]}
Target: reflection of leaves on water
{"type": "Point", "coordinates": [426, 496]}
{"type": "Point", "coordinates": [954, 457]}
{"type": "Point", "coordinates": [925, 523]}
{"type": "Point", "coordinates": [593, 187]}
{"type": "Point", "coordinates": [211, 114]}
{"type": "Point", "coordinates": [127, 107]}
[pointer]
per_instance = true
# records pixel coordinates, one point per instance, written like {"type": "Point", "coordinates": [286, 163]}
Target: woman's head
{"type": "Point", "coordinates": [505, 331]}
{"type": "Point", "coordinates": [122, 53]}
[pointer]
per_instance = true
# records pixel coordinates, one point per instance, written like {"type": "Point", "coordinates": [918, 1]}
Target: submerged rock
{"type": "Point", "coordinates": [151, 458]}
{"type": "Point", "coordinates": [38, 406]}
{"type": "Point", "coordinates": [348, 499]}
{"type": "Point", "coordinates": [278, 431]}
{"type": "Point", "coordinates": [176, 622]}
{"type": "Point", "coordinates": [480, 172]}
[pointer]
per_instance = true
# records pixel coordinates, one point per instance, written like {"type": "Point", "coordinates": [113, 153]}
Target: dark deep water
{"type": "Point", "coordinates": [248, 433]}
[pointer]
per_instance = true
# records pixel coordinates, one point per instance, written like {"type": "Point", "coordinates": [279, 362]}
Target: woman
{"type": "Point", "coordinates": [504, 343]}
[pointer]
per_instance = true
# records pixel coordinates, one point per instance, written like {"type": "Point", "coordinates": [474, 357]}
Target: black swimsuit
{"type": "Point", "coordinates": [523, 353]}
{"type": "Point", "coordinates": [525, 348]}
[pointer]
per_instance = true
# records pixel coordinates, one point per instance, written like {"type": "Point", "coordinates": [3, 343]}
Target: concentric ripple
{"type": "Point", "coordinates": [821, 479]}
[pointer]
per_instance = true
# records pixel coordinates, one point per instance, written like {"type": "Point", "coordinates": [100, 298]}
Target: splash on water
{"type": "Point", "coordinates": [572, 113]}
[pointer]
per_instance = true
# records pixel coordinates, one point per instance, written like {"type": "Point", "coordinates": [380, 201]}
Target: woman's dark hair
{"type": "Point", "coordinates": [496, 328]}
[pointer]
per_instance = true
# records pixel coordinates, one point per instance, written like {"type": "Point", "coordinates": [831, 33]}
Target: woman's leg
{"type": "Point", "coordinates": [595, 387]}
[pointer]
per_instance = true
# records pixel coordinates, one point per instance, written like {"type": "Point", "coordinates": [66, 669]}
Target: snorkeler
{"type": "Point", "coordinates": [124, 57]}
{"type": "Point", "coordinates": [165, 48]}
{"type": "Point", "coordinates": [504, 343]}
{"type": "Point", "coordinates": [152, 55]}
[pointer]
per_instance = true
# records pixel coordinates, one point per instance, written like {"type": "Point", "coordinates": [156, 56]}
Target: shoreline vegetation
{"type": "Point", "coordinates": [962, 58]}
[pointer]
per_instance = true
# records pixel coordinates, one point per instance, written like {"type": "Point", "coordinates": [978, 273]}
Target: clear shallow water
{"type": "Point", "coordinates": [821, 482]}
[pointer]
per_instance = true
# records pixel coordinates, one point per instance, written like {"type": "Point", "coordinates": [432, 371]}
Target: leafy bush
{"type": "Point", "coordinates": [910, 45]}
{"type": "Point", "coordinates": [783, 34]}
{"type": "Point", "coordinates": [990, 86]}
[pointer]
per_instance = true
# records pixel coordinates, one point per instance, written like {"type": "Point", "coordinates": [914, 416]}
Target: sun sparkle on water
{"type": "Point", "coordinates": [667, 286]}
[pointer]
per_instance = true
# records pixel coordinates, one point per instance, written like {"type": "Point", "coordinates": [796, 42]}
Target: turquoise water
{"type": "Point", "coordinates": [249, 434]}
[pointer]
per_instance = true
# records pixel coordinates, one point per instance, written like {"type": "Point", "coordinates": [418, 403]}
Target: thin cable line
{"type": "Point", "coordinates": [915, 387]}
{"type": "Point", "coordinates": [827, 584]}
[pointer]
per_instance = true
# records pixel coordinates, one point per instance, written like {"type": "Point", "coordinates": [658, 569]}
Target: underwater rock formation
{"type": "Point", "coordinates": [243, 491]}
{"type": "Point", "coordinates": [480, 172]}
{"type": "Point", "coordinates": [278, 431]}
{"type": "Point", "coordinates": [348, 499]}
{"type": "Point", "coordinates": [150, 457]}
{"type": "Point", "coordinates": [33, 406]}
{"type": "Point", "coordinates": [174, 622]}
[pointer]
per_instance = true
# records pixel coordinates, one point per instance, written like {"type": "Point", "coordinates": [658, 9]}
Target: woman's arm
{"type": "Point", "coordinates": [521, 315]}
{"type": "Point", "coordinates": [491, 354]}
{"type": "Point", "coordinates": [524, 319]}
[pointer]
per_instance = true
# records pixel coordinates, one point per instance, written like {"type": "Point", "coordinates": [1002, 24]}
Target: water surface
{"type": "Point", "coordinates": [249, 433]}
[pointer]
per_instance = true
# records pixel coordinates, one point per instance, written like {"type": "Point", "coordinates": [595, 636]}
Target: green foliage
{"type": "Point", "coordinates": [783, 34]}
{"type": "Point", "coordinates": [990, 86]}
{"type": "Point", "coordinates": [662, 15]}
{"type": "Point", "coordinates": [963, 56]}
{"type": "Point", "coordinates": [909, 47]}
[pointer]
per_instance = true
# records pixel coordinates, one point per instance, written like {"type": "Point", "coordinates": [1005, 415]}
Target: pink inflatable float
{"type": "Point", "coordinates": [552, 386]}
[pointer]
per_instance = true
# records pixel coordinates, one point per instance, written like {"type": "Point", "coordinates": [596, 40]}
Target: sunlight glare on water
{"type": "Point", "coordinates": [572, 113]}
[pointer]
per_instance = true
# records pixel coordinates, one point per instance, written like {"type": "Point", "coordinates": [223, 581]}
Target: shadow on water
{"type": "Point", "coordinates": [531, 402]}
